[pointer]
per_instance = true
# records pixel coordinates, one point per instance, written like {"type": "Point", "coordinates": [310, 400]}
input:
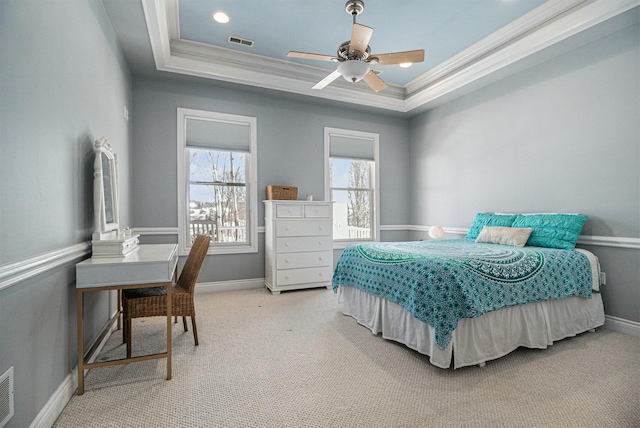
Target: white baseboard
{"type": "Point", "coordinates": [67, 389]}
{"type": "Point", "coordinates": [50, 412]}
{"type": "Point", "coordinates": [621, 325]}
{"type": "Point", "coordinates": [241, 284]}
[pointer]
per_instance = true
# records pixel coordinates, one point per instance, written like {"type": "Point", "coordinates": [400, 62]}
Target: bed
{"type": "Point", "coordinates": [468, 301]}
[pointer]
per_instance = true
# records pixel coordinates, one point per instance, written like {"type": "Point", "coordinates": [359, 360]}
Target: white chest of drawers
{"type": "Point", "coordinates": [298, 245]}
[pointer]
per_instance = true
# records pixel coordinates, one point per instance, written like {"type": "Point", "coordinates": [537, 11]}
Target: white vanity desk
{"type": "Point", "coordinates": [148, 264]}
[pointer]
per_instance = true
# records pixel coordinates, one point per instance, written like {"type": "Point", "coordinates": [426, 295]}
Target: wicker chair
{"type": "Point", "coordinates": [152, 301]}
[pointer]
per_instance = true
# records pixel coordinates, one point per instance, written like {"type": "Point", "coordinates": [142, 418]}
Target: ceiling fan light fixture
{"type": "Point", "coordinates": [353, 70]}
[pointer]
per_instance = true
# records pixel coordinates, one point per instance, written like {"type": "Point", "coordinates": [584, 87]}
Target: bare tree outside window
{"type": "Point", "coordinates": [352, 193]}
{"type": "Point", "coordinates": [218, 195]}
{"type": "Point", "coordinates": [359, 204]}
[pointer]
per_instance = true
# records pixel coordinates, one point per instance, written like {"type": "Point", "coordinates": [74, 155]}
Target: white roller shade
{"type": "Point", "coordinates": [222, 135]}
{"type": "Point", "coordinates": [342, 146]}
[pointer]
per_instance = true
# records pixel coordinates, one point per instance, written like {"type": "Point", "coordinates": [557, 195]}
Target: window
{"type": "Point", "coordinates": [217, 193]}
{"type": "Point", "coordinates": [351, 181]}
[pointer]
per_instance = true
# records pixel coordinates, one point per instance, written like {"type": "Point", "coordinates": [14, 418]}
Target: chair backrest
{"type": "Point", "coordinates": [191, 269]}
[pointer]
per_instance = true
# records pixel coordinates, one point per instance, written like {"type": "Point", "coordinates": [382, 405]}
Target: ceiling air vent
{"type": "Point", "coordinates": [241, 41]}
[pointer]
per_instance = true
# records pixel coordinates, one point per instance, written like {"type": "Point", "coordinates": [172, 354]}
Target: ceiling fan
{"type": "Point", "coordinates": [355, 55]}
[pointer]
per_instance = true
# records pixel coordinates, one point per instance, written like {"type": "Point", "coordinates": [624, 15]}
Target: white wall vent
{"type": "Point", "coordinates": [240, 41]}
{"type": "Point", "coordinates": [6, 397]}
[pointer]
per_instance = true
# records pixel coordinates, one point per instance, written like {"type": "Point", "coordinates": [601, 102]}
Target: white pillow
{"type": "Point", "coordinates": [514, 236]}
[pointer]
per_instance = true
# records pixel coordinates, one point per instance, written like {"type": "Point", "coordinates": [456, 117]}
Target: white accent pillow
{"type": "Point", "coordinates": [514, 236]}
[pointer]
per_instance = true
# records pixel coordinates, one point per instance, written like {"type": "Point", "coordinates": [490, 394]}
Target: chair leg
{"type": "Point", "coordinates": [195, 330]}
{"type": "Point", "coordinates": [184, 323]}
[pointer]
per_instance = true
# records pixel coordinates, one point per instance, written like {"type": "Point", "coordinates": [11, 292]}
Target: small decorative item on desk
{"type": "Point", "coordinates": [282, 193]}
{"type": "Point", "coordinates": [436, 232]}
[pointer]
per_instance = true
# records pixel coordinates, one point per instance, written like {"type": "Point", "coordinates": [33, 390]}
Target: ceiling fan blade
{"type": "Point", "coordinates": [374, 82]}
{"type": "Point", "coordinates": [360, 36]}
{"type": "Point", "coordinates": [400, 57]}
{"type": "Point", "coordinates": [324, 82]}
{"type": "Point", "coordinates": [306, 55]}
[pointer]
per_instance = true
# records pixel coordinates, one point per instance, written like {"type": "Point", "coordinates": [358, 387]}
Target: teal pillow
{"type": "Point", "coordinates": [552, 230]}
{"type": "Point", "coordinates": [483, 220]}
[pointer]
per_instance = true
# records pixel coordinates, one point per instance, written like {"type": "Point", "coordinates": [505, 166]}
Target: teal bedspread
{"type": "Point", "coordinates": [440, 282]}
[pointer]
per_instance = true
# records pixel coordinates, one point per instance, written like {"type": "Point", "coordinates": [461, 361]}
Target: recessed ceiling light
{"type": "Point", "coordinates": [221, 17]}
{"type": "Point", "coordinates": [405, 64]}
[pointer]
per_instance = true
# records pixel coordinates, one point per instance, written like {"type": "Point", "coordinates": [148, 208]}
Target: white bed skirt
{"type": "Point", "coordinates": [476, 340]}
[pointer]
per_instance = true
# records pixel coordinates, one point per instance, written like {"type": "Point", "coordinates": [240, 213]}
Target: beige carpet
{"type": "Point", "coordinates": [294, 360]}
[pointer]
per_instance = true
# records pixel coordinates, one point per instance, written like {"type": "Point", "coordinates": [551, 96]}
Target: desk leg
{"type": "Point", "coordinates": [169, 306]}
{"type": "Point", "coordinates": [119, 309]}
{"type": "Point", "coordinates": [80, 321]}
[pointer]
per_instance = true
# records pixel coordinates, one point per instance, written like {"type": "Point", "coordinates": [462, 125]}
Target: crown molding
{"type": "Point", "coordinates": [552, 22]}
{"type": "Point", "coordinates": [548, 24]}
{"type": "Point", "coordinates": [198, 59]}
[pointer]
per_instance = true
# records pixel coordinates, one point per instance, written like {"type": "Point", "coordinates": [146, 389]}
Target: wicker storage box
{"type": "Point", "coordinates": [282, 193]}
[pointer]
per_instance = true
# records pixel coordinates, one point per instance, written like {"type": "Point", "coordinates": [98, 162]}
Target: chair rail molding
{"type": "Point", "coordinates": [166, 230]}
{"type": "Point", "coordinates": [599, 241]}
{"type": "Point", "coordinates": [155, 230]}
{"type": "Point", "coordinates": [22, 270]}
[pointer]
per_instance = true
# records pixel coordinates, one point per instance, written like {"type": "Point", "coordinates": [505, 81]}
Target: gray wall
{"type": "Point", "coordinates": [290, 152]}
{"type": "Point", "coordinates": [63, 84]}
{"type": "Point", "coordinates": [563, 136]}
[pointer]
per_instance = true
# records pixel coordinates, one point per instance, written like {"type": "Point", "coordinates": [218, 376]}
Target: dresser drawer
{"type": "Point", "coordinates": [304, 260]}
{"type": "Point", "coordinates": [289, 211]}
{"type": "Point", "coordinates": [304, 244]}
{"type": "Point", "coordinates": [302, 276]}
{"type": "Point", "coordinates": [317, 211]}
{"type": "Point", "coordinates": [303, 228]}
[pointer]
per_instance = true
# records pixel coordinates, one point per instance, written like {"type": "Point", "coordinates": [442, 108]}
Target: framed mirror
{"type": "Point", "coordinates": [105, 191]}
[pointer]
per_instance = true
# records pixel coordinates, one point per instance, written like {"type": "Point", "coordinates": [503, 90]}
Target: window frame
{"type": "Point", "coordinates": [251, 182]}
{"type": "Point", "coordinates": [375, 174]}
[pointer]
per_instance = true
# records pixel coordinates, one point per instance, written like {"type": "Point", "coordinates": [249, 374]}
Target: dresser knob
{"type": "Point", "coordinates": [286, 245]}
{"type": "Point", "coordinates": [286, 228]}
{"type": "Point", "coordinates": [320, 258]}
{"type": "Point", "coordinates": [286, 261]}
